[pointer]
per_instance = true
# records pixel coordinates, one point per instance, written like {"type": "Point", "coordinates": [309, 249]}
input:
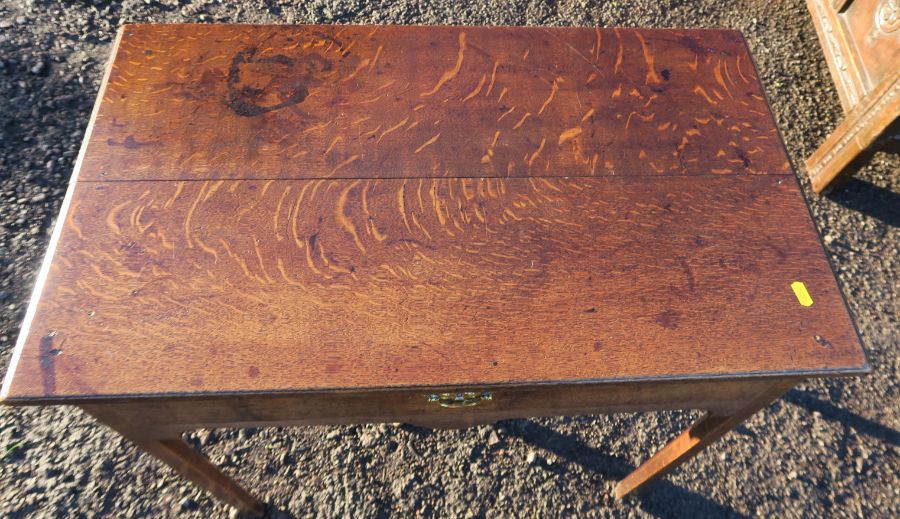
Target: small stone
{"type": "Point", "coordinates": [398, 487]}
{"type": "Point", "coordinates": [792, 475]}
{"type": "Point", "coordinates": [207, 437]}
{"type": "Point", "coordinates": [38, 68]}
{"type": "Point", "coordinates": [532, 458]}
{"type": "Point", "coordinates": [493, 439]}
{"type": "Point", "coordinates": [38, 198]}
{"type": "Point", "coordinates": [187, 504]}
{"type": "Point", "coordinates": [333, 434]}
{"type": "Point", "coordinates": [367, 439]}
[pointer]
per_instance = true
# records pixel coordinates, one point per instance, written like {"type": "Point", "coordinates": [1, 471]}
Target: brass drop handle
{"type": "Point", "coordinates": [456, 400]}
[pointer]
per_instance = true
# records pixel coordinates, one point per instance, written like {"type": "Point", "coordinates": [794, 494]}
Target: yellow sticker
{"type": "Point", "coordinates": [801, 293]}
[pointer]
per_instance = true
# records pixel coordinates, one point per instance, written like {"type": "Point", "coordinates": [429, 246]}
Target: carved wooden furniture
{"type": "Point", "coordinates": [861, 42]}
{"type": "Point", "coordinates": [444, 226]}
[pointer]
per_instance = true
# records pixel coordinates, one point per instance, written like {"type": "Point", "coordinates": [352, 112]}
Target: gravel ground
{"type": "Point", "coordinates": [827, 448]}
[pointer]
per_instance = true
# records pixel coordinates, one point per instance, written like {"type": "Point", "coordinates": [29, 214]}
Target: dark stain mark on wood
{"type": "Point", "coordinates": [668, 319]}
{"type": "Point", "coordinates": [598, 345]}
{"type": "Point", "coordinates": [131, 143]}
{"type": "Point", "coordinates": [688, 273]}
{"type": "Point", "coordinates": [257, 85]}
{"type": "Point", "coordinates": [253, 372]}
{"type": "Point", "coordinates": [591, 310]}
{"type": "Point", "coordinates": [822, 341]}
{"type": "Point", "coordinates": [47, 361]}
{"type": "Point", "coordinates": [691, 43]}
{"type": "Point", "coordinates": [745, 159]}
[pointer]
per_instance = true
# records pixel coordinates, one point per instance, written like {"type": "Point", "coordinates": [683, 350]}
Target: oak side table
{"type": "Point", "coordinates": [444, 226]}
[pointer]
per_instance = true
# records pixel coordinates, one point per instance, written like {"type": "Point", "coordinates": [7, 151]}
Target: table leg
{"type": "Point", "coordinates": [195, 467]}
{"type": "Point", "coordinates": [701, 433]}
{"type": "Point", "coordinates": [192, 465]}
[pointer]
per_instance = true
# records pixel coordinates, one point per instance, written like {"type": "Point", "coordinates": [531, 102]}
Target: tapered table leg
{"type": "Point", "coordinates": [700, 434]}
{"type": "Point", "coordinates": [194, 466]}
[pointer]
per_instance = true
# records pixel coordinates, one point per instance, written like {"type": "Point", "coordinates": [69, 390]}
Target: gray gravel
{"type": "Point", "coordinates": [827, 448]}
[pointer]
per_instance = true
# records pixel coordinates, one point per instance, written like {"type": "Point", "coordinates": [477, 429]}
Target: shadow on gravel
{"type": "Point", "coordinates": [277, 513]}
{"type": "Point", "coordinates": [662, 499]}
{"type": "Point", "coordinates": [829, 411]}
{"type": "Point", "coordinates": [871, 200]}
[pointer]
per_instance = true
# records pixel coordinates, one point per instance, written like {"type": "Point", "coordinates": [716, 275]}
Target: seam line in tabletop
{"type": "Point", "coordinates": [554, 177]}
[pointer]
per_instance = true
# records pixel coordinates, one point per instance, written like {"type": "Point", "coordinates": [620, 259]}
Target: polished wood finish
{"type": "Point", "coordinates": [861, 42]}
{"type": "Point", "coordinates": [320, 225]}
{"type": "Point", "coordinates": [303, 285]}
{"type": "Point", "coordinates": [408, 102]}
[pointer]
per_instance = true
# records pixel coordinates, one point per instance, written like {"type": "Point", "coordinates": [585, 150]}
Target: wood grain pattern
{"type": "Point", "coordinates": [213, 102]}
{"type": "Point", "coordinates": [228, 286]}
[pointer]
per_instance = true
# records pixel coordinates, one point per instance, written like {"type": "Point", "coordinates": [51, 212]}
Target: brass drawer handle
{"type": "Point", "coordinates": [455, 400]}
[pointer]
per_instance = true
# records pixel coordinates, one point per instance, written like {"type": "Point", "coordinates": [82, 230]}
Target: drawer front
{"type": "Point", "coordinates": [430, 407]}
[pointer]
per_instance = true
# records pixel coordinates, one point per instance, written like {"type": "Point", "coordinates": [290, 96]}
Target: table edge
{"type": "Point", "coordinates": [439, 25]}
{"type": "Point", "coordinates": [852, 371]}
{"type": "Point", "coordinates": [812, 217]}
{"type": "Point", "coordinates": [59, 225]}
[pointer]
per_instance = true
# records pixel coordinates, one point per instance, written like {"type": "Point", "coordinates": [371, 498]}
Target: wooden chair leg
{"type": "Point", "coordinates": [192, 465]}
{"type": "Point", "coordinates": [856, 135]}
{"type": "Point", "coordinates": [700, 434]}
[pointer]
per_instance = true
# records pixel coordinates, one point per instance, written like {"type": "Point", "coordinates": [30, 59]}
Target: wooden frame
{"type": "Point", "coordinates": [155, 425]}
{"type": "Point", "coordinates": [860, 39]}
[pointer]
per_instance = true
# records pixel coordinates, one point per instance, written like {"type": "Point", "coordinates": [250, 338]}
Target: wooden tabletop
{"type": "Point", "coordinates": [295, 208]}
